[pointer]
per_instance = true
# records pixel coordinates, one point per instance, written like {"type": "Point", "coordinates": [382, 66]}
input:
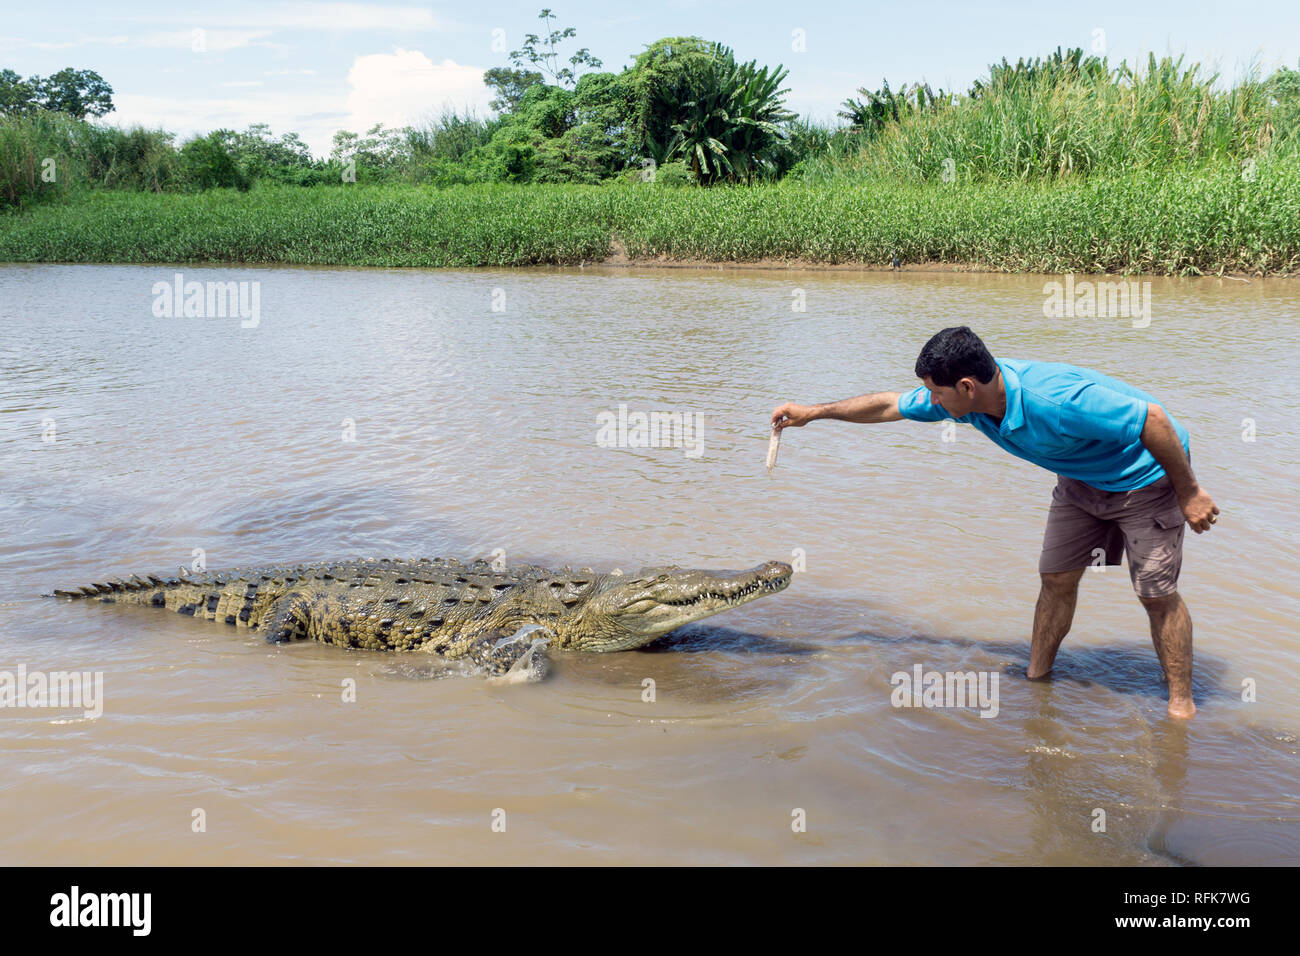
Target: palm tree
{"type": "Point", "coordinates": [730, 128]}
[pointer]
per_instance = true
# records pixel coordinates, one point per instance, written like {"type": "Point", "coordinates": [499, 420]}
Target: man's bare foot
{"type": "Point", "coordinates": [1045, 675]}
{"type": "Point", "coordinates": [1182, 709]}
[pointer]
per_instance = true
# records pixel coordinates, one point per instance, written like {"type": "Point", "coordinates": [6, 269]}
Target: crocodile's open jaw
{"type": "Point", "coordinates": [634, 611]}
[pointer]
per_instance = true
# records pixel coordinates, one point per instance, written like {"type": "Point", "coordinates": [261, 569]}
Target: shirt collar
{"type": "Point", "coordinates": [1014, 417]}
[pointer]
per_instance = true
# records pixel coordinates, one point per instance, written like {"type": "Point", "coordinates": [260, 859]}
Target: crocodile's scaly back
{"type": "Point", "coordinates": [455, 609]}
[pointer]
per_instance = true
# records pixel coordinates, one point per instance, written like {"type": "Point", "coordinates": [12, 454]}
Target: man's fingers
{"type": "Point", "coordinates": [784, 417]}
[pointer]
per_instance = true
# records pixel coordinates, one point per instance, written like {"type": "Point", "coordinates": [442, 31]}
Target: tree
{"type": "Point", "coordinates": [16, 95]}
{"type": "Point", "coordinates": [542, 54]}
{"type": "Point", "coordinates": [380, 149]}
{"type": "Point", "coordinates": [79, 93]}
{"type": "Point", "coordinates": [732, 126]}
{"type": "Point", "coordinates": [603, 108]}
{"type": "Point", "coordinates": [510, 86]}
{"type": "Point", "coordinates": [208, 162]}
{"type": "Point", "coordinates": [660, 82]}
{"type": "Point", "coordinates": [257, 148]}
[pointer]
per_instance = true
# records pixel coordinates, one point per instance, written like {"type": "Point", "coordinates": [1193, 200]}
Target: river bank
{"type": "Point", "coordinates": [1216, 220]}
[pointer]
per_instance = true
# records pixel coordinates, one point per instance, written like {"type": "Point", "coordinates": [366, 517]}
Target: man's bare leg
{"type": "Point", "coordinates": [1052, 616]}
{"type": "Point", "coordinates": [1171, 633]}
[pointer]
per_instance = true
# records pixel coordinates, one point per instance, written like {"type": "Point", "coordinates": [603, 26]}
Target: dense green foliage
{"type": "Point", "coordinates": [1049, 164]}
{"type": "Point", "coordinates": [731, 127]}
{"type": "Point", "coordinates": [76, 93]}
{"type": "Point", "coordinates": [48, 154]}
{"type": "Point", "coordinates": [1067, 115]}
{"type": "Point", "coordinates": [1154, 221]}
{"type": "Point", "coordinates": [53, 153]}
{"type": "Point", "coordinates": [682, 99]}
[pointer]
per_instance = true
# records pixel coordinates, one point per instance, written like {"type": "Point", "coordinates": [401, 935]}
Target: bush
{"type": "Point", "coordinates": [46, 154]}
{"type": "Point", "coordinates": [208, 162]}
{"type": "Point", "coordinates": [673, 174]}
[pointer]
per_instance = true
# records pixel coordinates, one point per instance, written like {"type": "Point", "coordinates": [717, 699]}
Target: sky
{"type": "Point", "coordinates": [317, 67]}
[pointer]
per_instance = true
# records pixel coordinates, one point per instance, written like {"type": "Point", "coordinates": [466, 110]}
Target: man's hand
{"type": "Point", "coordinates": [1200, 510]}
{"type": "Point", "coordinates": [791, 414]}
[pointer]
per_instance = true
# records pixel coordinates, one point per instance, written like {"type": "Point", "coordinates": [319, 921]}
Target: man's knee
{"type": "Point", "coordinates": [1061, 584]}
{"type": "Point", "coordinates": [1161, 605]}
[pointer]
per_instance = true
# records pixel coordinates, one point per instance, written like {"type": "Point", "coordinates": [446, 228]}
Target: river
{"type": "Point", "coordinates": [422, 413]}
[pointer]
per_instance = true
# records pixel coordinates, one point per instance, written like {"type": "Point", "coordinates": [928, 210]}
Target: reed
{"type": "Point", "coordinates": [1050, 124]}
{"type": "Point", "coordinates": [48, 155]}
{"type": "Point", "coordinates": [1171, 221]}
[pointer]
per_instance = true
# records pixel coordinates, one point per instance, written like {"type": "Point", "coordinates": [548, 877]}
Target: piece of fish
{"type": "Point", "coordinates": [773, 446]}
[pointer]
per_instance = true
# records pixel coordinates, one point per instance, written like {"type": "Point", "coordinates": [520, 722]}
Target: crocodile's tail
{"type": "Point", "coordinates": [215, 597]}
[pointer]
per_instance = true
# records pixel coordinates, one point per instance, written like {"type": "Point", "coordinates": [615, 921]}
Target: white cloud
{"type": "Point", "coordinates": [396, 89]}
{"type": "Point", "coordinates": [403, 87]}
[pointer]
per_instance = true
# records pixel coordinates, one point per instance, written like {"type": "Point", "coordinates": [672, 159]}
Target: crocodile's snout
{"type": "Point", "coordinates": [721, 589]}
{"type": "Point", "coordinates": [633, 612]}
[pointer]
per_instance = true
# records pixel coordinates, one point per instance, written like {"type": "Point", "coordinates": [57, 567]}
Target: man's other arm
{"type": "Point", "coordinates": [1159, 438]}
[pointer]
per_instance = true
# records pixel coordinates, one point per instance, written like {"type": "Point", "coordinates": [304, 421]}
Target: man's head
{"type": "Point", "coordinates": [954, 365]}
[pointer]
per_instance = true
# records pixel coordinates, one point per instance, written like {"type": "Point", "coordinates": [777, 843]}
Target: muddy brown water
{"type": "Point", "coordinates": [377, 412]}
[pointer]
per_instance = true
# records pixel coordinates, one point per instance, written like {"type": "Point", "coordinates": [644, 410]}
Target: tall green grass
{"type": "Point", "coordinates": [46, 155]}
{"type": "Point", "coordinates": [1026, 124]}
{"type": "Point", "coordinates": [1150, 220]}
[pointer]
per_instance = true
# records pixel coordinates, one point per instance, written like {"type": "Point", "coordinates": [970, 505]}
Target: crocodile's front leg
{"type": "Point", "coordinates": [517, 655]}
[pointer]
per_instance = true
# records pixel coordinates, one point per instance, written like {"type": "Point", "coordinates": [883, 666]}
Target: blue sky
{"type": "Point", "coordinates": [315, 67]}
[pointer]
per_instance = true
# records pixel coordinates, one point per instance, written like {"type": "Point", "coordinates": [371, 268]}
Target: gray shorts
{"type": "Point", "coordinates": [1086, 526]}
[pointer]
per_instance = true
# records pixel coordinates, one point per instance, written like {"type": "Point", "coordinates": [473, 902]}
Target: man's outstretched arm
{"type": "Point", "coordinates": [1162, 441]}
{"type": "Point", "coordinates": [865, 409]}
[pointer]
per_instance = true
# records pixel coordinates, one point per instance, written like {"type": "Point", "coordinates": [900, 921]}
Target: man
{"type": "Point", "coordinates": [1124, 479]}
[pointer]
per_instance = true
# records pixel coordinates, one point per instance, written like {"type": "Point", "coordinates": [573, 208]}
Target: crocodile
{"type": "Point", "coordinates": [497, 618]}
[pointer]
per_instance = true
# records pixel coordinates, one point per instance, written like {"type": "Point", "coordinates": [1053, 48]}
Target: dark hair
{"type": "Point", "coordinates": [955, 354]}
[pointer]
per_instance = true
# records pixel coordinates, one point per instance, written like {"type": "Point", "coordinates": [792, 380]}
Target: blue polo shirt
{"type": "Point", "coordinates": [1070, 420]}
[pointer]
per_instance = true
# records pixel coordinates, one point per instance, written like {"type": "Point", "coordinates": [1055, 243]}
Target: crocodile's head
{"type": "Point", "coordinates": [623, 612]}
